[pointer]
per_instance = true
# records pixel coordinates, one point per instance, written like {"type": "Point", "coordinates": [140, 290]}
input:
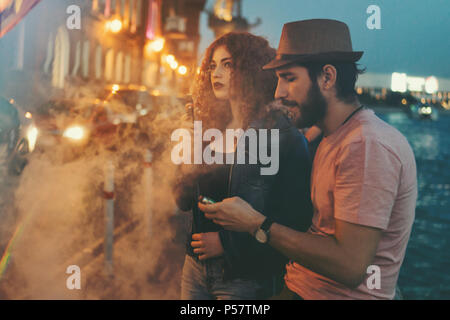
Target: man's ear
{"type": "Point", "coordinates": [328, 77]}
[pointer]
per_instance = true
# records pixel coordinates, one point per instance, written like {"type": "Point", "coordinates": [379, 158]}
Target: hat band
{"type": "Point", "coordinates": [327, 53]}
{"type": "Point", "coordinates": [289, 56]}
{"type": "Point", "coordinates": [333, 55]}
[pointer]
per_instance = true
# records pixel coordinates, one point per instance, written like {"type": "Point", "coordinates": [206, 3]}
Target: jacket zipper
{"type": "Point", "coordinates": [228, 195]}
{"type": "Point", "coordinates": [229, 180]}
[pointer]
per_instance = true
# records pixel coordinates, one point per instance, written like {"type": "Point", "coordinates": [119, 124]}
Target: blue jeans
{"type": "Point", "coordinates": [203, 280]}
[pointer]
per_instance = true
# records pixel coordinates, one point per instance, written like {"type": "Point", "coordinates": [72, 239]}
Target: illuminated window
{"type": "Point", "coordinates": [127, 14]}
{"type": "Point", "coordinates": [118, 6]}
{"type": "Point", "coordinates": [109, 64]}
{"type": "Point", "coordinates": [77, 62]}
{"type": "Point", "coordinates": [85, 59]}
{"type": "Point", "coordinates": [133, 16]}
{"type": "Point", "coordinates": [127, 70]}
{"type": "Point", "coordinates": [61, 60]}
{"type": "Point", "coordinates": [98, 62]}
{"type": "Point", "coordinates": [150, 73]}
{"type": "Point", "coordinates": [119, 67]}
{"type": "Point", "coordinates": [95, 5]}
{"type": "Point", "coordinates": [49, 57]}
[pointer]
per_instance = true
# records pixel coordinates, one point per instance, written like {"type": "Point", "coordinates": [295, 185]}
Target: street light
{"type": "Point", "coordinates": [174, 65]}
{"type": "Point", "coordinates": [74, 133]}
{"type": "Point", "coordinates": [182, 70]}
{"type": "Point", "coordinates": [156, 45]}
{"type": "Point", "coordinates": [115, 26]}
{"type": "Point", "coordinates": [170, 59]}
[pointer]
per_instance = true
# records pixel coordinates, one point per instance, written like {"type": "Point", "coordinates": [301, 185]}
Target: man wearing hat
{"type": "Point", "coordinates": [363, 182]}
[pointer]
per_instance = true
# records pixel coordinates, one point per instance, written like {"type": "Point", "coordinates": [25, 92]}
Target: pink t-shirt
{"type": "Point", "coordinates": [364, 173]}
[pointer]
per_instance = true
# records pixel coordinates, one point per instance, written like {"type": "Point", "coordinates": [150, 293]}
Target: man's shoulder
{"type": "Point", "coordinates": [371, 130]}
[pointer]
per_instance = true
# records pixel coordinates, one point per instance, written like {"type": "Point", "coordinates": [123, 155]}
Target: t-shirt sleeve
{"type": "Point", "coordinates": [367, 179]}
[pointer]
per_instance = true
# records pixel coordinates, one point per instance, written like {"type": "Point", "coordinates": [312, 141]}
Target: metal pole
{"type": "Point", "coordinates": [109, 217]}
{"type": "Point", "coordinates": [148, 174]}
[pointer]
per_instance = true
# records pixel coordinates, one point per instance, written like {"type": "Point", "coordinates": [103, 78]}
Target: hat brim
{"type": "Point", "coordinates": [284, 60]}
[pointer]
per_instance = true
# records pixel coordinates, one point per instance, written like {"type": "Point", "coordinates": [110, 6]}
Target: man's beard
{"type": "Point", "coordinates": [312, 110]}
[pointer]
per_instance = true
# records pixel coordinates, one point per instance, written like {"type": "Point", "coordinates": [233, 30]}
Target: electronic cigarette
{"type": "Point", "coordinates": [206, 200]}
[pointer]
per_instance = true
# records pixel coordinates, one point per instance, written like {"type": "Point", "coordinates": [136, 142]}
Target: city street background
{"type": "Point", "coordinates": [126, 75]}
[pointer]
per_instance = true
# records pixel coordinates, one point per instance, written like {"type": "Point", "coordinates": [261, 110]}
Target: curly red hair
{"type": "Point", "coordinates": [252, 86]}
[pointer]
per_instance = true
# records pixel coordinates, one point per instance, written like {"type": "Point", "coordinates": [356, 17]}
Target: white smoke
{"type": "Point", "coordinates": [59, 202]}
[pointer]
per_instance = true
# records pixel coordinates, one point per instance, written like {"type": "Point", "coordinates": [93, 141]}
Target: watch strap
{"type": "Point", "coordinates": [265, 226]}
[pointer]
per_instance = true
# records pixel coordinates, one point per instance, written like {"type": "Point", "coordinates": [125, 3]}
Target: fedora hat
{"type": "Point", "coordinates": [314, 40]}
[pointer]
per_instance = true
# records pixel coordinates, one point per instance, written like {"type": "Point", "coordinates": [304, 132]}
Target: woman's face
{"type": "Point", "coordinates": [220, 68]}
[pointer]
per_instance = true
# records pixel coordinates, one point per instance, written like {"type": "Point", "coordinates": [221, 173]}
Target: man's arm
{"type": "Point", "coordinates": [343, 257]}
{"type": "Point", "coordinates": [364, 195]}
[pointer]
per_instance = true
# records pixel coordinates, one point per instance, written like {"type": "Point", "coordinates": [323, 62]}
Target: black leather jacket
{"type": "Point", "coordinates": [285, 197]}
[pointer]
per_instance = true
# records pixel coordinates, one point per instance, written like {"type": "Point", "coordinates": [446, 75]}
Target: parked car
{"type": "Point", "coordinates": [119, 114]}
{"type": "Point", "coordinates": [140, 102]}
{"type": "Point", "coordinates": [18, 136]}
{"type": "Point", "coordinates": [423, 111]}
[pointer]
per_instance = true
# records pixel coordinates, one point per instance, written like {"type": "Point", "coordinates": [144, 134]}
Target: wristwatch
{"type": "Point", "coordinates": [262, 234]}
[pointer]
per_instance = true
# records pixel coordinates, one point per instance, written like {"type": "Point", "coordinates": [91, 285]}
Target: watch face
{"type": "Point", "coordinates": [261, 236]}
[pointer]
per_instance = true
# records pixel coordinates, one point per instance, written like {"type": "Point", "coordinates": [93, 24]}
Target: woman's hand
{"type": "Point", "coordinates": [207, 245]}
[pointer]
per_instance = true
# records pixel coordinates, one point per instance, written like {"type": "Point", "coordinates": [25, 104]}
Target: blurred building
{"type": "Point", "coordinates": [176, 60]}
{"type": "Point", "coordinates": [119, 42]}
{"type": "Point", "coordinates": [379, 88]}
{"type": "Point", "coordinates": [42, 56]}
{"type": "Point", "coordinates": [226, 16]}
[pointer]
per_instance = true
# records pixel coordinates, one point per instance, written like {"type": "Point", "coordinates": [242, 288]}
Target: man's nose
{"type": "Point", "coordinates": [281, 91]}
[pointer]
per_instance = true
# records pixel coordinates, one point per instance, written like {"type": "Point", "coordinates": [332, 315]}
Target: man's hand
{"type": "Point", "coordinates": [207, 245]}
{"type": "Point", "coordinates": [233, 214]}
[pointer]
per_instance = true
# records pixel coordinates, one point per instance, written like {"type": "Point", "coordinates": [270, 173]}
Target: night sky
{"type": "Point", "coordinates": [414, 35]}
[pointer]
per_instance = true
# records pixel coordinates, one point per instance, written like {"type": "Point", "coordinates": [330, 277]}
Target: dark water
{"type": "Point", "coordinates": [425, 273]}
